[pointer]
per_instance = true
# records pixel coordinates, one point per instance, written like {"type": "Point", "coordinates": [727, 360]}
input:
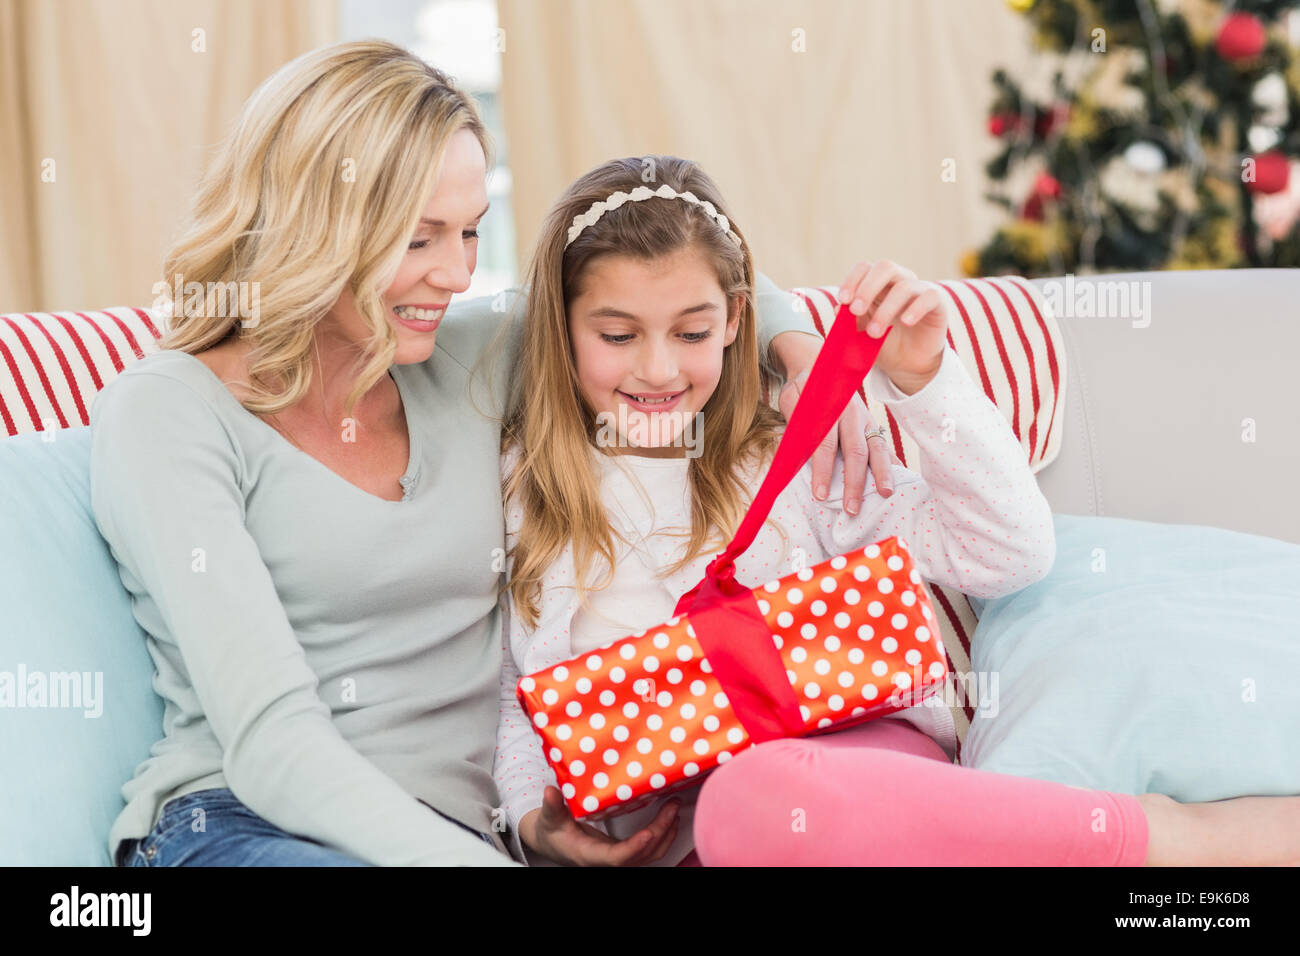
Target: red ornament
{"type": "Point", "coordinates": [1045, 186]}
{"type": "Point", "coordinates": [1000, 124]}
{"type": "Point", "coordinates": [1052, 120]}
{"type": "Point", "coordinates": [1048, 186]}
{"type": "Point", "coordinates": [1272, 172]}
{"type": "Point", "coordinates": [1241, 37]}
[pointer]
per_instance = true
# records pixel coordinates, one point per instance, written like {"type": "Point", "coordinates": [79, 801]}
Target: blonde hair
{"type": "Point", "coordinates": [552, 424]}
{"type": "Point", "coordinates": [317, 189]}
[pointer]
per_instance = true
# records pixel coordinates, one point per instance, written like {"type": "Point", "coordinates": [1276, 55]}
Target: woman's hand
{"type": "Point", "coordinates": [883, 295]}
{"type": "Point", "coordinates": [850, 438]}
{"type": "Point", "coordinates": [552, 831]}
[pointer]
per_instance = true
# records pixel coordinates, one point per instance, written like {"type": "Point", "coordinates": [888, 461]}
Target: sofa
{"type": "Point", "coordinates": [1163, 396]}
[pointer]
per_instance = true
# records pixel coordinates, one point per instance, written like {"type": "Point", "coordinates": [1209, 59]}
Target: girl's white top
{"type": "Point", "coordinates": [973, 518]}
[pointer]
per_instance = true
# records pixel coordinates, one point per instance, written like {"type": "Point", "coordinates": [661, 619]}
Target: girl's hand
{"type": "Point", "coordinates": [885, 294]}
{"type": "Point", "coordinates": [552, 831]}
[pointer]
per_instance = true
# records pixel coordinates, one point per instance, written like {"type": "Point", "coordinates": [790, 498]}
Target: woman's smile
{"type": "Point", "coordinates": [419, 318]}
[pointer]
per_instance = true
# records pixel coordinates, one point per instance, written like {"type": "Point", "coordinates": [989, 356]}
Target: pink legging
{"type": "Point", "coordinates": [885, 794]}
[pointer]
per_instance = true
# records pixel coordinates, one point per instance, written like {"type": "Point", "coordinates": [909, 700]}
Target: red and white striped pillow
{"type": "Point", "coordinates": [53, 364]}
{"type": "Point", "coordinates": [1010, 343]}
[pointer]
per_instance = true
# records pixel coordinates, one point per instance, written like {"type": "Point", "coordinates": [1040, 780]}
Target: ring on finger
{"type": "Point", "coordinates": [875, 433]}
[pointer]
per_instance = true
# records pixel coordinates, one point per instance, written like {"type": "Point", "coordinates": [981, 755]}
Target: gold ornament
{"type": "Point", "coordinates": [1027, 239]}
{"type": "Point", "coordinates": [1215, 247]}
{"type": "Point", "coordinates": [1082, 124]}
{"type": "Point", "coordinates": [1203, 18]}
{"type": "Point", "coordinates": [1224, 235]}
{"type": "Point", "coordinates": [1293, 76]}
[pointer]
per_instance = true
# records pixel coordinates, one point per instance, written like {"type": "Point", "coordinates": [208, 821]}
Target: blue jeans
{"type": "Point", "coordinates": [233, 835]}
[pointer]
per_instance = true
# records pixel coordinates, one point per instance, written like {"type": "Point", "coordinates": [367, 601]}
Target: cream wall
{"type": "Point", "coordinates": [115, 93]}
{"type": "Point", "coordinates": [826, 156]}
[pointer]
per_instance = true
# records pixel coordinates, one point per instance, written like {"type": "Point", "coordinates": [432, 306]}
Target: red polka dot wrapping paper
{"type": "Point", "coordinates": [645, 715]}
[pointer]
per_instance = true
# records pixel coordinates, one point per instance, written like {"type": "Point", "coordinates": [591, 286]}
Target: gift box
{"type": "Point", "coordinates": [647, 714]}
{"type": "Point", "coordinates": [848, 640]}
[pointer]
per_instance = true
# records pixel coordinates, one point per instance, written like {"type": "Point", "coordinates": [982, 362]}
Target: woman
{"type": "Point", "coordinates": [306, 507]}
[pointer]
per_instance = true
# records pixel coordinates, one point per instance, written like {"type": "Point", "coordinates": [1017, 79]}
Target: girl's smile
{"type": "Point", "coordinates": [654, 402]}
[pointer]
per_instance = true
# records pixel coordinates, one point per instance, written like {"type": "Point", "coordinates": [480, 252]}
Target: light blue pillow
{"type": "Point", "coordinates": [64, 610]}
{"type": "Point", "coordinates": [1174, 670]}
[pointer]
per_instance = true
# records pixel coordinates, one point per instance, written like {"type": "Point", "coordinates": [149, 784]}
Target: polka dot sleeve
{"type": "Point", "coordinates": [519, 767]}
{"type": "Point", "coordinates": [973, 518]}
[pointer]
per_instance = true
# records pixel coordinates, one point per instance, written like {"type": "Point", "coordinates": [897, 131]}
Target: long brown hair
{"type": "Point", "coordinates": [552, 425]}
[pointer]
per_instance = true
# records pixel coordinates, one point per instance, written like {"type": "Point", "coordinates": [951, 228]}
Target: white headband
{"type": "Point", "coordinates": [614, 200]}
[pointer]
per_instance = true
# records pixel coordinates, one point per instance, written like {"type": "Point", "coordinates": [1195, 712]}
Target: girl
{"type": "Point", "coordinates": [641, 318]}
{"type": "Point", "coordinates": [640, 315]}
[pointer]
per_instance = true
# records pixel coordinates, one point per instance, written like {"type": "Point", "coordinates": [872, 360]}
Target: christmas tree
{"type": "Point", "coordinates": [1168, 140]}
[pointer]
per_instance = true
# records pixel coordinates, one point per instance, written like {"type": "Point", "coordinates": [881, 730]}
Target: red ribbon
{"type": "Point", "coordinates": [724, 614]}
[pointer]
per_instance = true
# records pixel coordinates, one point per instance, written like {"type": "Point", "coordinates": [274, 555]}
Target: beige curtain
{"type": "Point", "coordinates": [107, 108]}
{"type": "Point", "coordinates": [825, 123]}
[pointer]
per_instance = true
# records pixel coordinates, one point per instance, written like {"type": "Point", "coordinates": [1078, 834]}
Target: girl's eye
{"type": "Point", "coordinates": [688, 336]}
{"type": "Point", "coordinates": [470, 234]}
{"type": "Point", "coordinates": [418, 244]}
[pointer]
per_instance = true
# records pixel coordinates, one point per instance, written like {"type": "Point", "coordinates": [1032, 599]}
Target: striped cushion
{"type": "Point", "coordinates": [53, 364]}
{"type": "Point", "coordinates": [1010, 342]}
